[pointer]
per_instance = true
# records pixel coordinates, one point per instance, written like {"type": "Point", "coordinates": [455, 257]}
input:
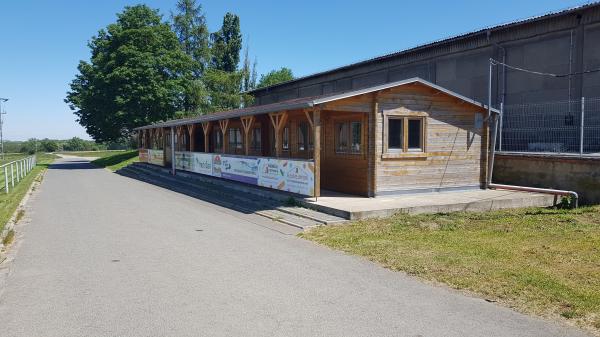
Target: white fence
{"type": "Point", "coordinates": [15, 171]}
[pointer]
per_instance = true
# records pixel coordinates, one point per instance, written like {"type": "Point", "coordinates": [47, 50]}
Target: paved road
{"type": "Point", "coordinates": [104, 255]}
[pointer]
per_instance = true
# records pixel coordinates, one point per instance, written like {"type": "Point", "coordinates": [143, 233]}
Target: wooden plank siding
{"type": "Point", "coordinates": [455, 152]}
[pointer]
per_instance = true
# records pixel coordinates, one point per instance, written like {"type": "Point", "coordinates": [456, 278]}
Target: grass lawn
{"type": "Point", "coordinates": [98, 154]}
{"type": "Point", "coordinates": [540, 261]}
{"type": "Point", "coordinates": [9, 202]}
{"type": "Point", "coordinates": [8, 157]}
{"type": "Point", "coordinates": [115, 161]}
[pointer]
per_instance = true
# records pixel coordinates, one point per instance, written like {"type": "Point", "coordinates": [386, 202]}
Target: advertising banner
{"type": "Point", "coordinates": [183, 161]}
{"type": "Point", "coordinates": [240, 169]}
{"type": "Point", "coordinates": [296, 176]}
{"type": "Point", "coordinates": [202, 163]}
{"type": "Point", "coordinates": [143, 154]}
{"type": "Point", "coordinates": [156, 157]}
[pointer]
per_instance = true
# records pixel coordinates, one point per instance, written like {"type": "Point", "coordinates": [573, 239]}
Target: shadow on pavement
{"type": "Point", "coordinates": [73, 165]}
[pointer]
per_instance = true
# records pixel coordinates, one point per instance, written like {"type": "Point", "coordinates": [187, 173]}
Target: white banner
{"type": "Point", "coordinates": [156, 157]}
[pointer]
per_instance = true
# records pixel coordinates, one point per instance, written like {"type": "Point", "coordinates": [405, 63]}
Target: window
{"type": "Point", "coordinates": [304, 137]}
{"type": "Point", "coordinates": [286, 139]}
{"type": "Point", "coordinates": [235, 139]}
{"type": "Point", "coordinates": [414, 135]}
{"type": "Point", "coordinates": [348, 137]}
{"type": "Point", "coordinates": [395, 133]}
{"type": "Point", "coordinates": [218, 140]}
{"type": "Point", "coordinates": [405, 134]}
{"type": "Point", "coordinates": [256, 140]}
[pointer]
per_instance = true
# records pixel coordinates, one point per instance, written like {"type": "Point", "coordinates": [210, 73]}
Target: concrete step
{"type": "Point", "coordinates": [228, 197]}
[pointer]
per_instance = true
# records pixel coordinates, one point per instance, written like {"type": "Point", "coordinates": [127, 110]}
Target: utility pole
{"type": "Point", "coordinates": [2, 112]}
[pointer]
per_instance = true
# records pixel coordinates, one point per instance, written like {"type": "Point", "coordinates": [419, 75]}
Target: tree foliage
{"type": "Point", "coordinates": [138, 74]}
{"type": "Point", "coordinates": [275, 76]}
{"type": "Point", "coordinates": [227, 44]}
{"type": "Point", "coordinates": [189, 23]}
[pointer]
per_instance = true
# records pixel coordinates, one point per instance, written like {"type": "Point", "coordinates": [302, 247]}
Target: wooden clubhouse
{"type": "Point", "coordinates": [402, 137]}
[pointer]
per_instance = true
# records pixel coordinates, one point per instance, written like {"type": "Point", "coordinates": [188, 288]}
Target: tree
{"type": "Point", "coordinates": [227, 44]}
{"type": "Point", "coordinates": [30, 146]}
{"type": "Point", "coordinates": [190, 26]}
{"type": "Point", "coordinates": [224, 88]}
{"type": "Point", "coordinates": [138, 74]}
{"type": "Point", "coordinates": [76, 144]}
{"type": "Point", "coordinates": [49, 145]}
{"type": "Point", "coordinates": [275, 76]}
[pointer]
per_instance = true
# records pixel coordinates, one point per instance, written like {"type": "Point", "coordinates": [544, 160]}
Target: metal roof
{"type": "Point", "coordinates": [306, 102]}
{"type": "Point", "coordinates": [437, 42]}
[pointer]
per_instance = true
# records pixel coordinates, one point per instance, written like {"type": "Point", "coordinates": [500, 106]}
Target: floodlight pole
{"type": "Point", "coordinates": [1, 126]}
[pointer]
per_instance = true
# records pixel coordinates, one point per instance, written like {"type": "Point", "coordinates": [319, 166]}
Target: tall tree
{"type": "Point", "coordinates": [248, 71]}
{"type": "Point", "coordinates": [227, 44]}
{"type": "Point", "coordinates": [138, 74]}
{"type": "Point", "coordinates": [275, 76]}
{"type": "Point", "coordinates": [189, 23]}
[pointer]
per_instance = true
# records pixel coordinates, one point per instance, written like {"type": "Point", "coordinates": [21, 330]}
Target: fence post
{"type": "Point", "coordinates": [17, 168]}
{"type": "Point", "coordinates": [12, 175]}
{"type": "Point", "coordinates": [6, 179]}
{"type": "Point", "coordinates": [581, 131]}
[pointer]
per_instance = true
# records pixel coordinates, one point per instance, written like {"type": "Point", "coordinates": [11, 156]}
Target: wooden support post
{"type": "Point", "coordinates": [247, 123]}
{"type": "Point", "coordinates": [317, 150]}
{"type": "Point", "coordinates": [191, 128]}
{"type": "Point", "coordinates": [223, 125]}
{"type": "Point", "coordinates": [278, 120]}
{"type": "Point", "coordinates": [206, 129]}
{"type": "Point", "coordinates": [372, 149]}
{"type": "Point", "coordinates": [179, 133]}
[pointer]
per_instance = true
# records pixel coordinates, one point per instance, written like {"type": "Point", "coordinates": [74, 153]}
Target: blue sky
{"type": "Point", "coordinates": [41, 42]}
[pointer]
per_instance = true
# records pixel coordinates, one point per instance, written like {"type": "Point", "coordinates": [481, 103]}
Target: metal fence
{"type": "Point", "coordinates": [554, 127]}
{"type": "Point", "coordinates": [12, 173]}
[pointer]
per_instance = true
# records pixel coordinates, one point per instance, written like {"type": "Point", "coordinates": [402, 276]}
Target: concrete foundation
{"type": "Point", "coordinates": [565, 172]}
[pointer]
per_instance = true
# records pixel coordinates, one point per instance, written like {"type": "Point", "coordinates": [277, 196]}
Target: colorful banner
{"type": "Point", "coordinates": [240, 169]}
{"type": "Point", "coordinates": [296, 176]}
{"type": "Point", "coordinates": [156, 157]}
{"type": "Point", "coordinates": [143, 154]}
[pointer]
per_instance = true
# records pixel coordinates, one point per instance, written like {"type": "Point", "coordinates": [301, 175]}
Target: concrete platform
{"type": "Point", "coordinates": [354, 207]}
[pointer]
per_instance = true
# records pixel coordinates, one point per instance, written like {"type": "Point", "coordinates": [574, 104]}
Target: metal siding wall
{"type": "Point", "coordinates": [461, 65]}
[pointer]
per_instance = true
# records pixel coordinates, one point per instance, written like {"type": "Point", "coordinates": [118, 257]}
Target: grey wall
{"type": "Point", "coordinates": [560, 44]}
{"type": "Point", "coordinates": [581, 175]}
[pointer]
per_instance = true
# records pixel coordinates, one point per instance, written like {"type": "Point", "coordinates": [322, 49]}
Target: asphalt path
{"type": "Point", "coordinates": [103, 255]}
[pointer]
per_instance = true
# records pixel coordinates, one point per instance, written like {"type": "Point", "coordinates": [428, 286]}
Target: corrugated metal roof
{"type": "Point", "coordinates": [438, 42]}
{"type": "Point", "coordinates": [305, 102]}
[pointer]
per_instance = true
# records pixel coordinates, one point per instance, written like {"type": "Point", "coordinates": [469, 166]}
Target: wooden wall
{"type": "Point", "coordinates": [455, 151]}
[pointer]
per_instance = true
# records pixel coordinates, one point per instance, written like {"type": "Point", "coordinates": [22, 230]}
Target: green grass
{"type": "Point", "coordinates": [9, 202]}
{"type": "Point", "coordinates": [118, 160]}
{"type": "Point", "coordinates": [540, 261]}
{"type": "Point", "coordinates": [8, 157]}
{"type": "Point", "coordinates": [98, 154]}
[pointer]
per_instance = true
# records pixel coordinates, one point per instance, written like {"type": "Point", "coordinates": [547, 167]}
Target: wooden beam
{"type": "Point", "coordinates": [223, 123]}
{"type": "Point", "coordinates": [317, 150]}
{"type": "Point", "coordinates": [191, 128]}
{"type": "Point", "coordinates": [278, 119]}
{"type": "Point", "coordinates": [206, 128]}
{"type": "Point", "coordinates": [310, 121]}
{"type": "Point", "coordinates": [247, 123]}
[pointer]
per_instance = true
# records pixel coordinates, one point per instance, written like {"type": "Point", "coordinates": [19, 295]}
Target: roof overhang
{"type": "Point", "coordinates": [310, 102]}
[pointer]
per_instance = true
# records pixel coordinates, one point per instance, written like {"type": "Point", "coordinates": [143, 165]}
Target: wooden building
{"type": "Point", "coordinates": [401, 137]}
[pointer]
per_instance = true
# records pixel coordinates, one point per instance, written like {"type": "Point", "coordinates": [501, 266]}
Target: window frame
{"type": "Point", "coordinates": [256, 143]}
{"type": "Point", "coordinates": [404, 151]}
{"type": "Point", "coordinates": [347, 123]}
{"type": "Point", "coordinates": [308, 138]}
